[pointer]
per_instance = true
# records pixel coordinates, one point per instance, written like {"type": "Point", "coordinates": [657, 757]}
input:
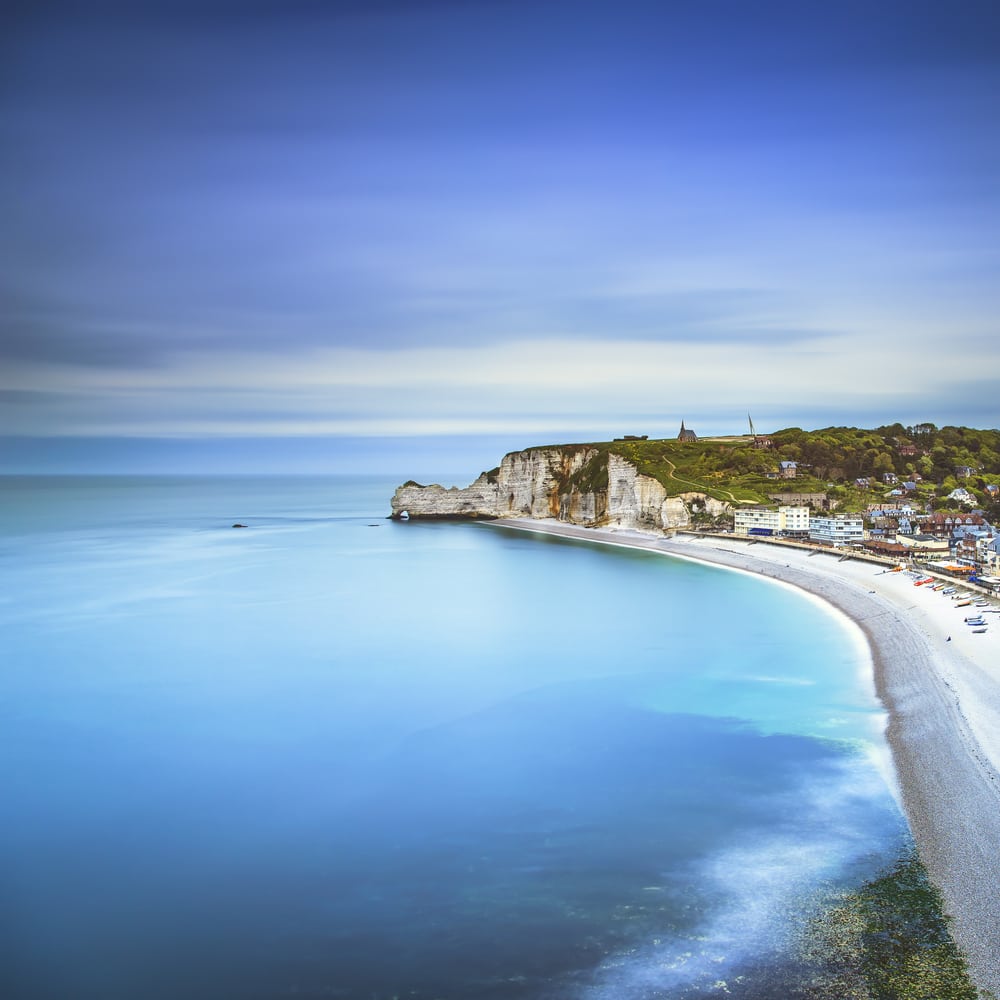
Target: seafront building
{"type": "Point", "coordinates": [788, 521]}
{"type": "Point", "coordinates": [837, 529]}
{"type": "Point", "coordinates": [924, 546]}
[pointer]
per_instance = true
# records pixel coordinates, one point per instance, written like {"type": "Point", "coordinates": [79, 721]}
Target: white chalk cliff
{"type": "Point", "coordinates": [573, 483]}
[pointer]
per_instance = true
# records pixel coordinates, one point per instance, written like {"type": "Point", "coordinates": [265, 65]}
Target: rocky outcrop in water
{"type": "Point", "coordinates": [574, 483]}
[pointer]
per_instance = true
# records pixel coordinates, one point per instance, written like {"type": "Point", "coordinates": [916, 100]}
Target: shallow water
{"type": "Point", "coordinates": [334, 755]}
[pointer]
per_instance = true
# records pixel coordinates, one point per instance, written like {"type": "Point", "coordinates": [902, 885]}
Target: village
{"type": "Point", "coordinates": [937, 522]}
{"type": "Point", "coordinates": [901, 525]}
{"type": "Point", "coordinates": [961, 544]}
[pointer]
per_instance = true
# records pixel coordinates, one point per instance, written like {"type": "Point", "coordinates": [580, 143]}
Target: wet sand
{"type": "Point", "coordinates": [942, 697]}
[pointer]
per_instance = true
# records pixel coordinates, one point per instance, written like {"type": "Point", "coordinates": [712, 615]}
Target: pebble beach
{"type": "Point", "coordinates": [939, 682]}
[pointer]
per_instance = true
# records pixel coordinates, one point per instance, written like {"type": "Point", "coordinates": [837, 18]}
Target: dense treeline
{"type": "Point", "coordinates": [934, 454]}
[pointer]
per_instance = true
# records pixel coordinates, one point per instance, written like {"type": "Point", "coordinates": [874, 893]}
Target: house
{"type": "Point", "coordinates": [962, 495]}
{"type": "Point", "coordinates": [943, 524]}
{"type": "Point", "coordinates": [991, 555]}
{"type": "Point", "coordinates": [972, 545]}
{"type": "Point", "coordinates": [881, 547]}
{"type": "Point", "coordinates": [963, 471]}
{"type": "Point", "coordinates": [993, 490]}
{"type": "Point", "coordinates": [898, 510]}
{"type": "Point", "coordinates": [863, 483]}
{"type": "Point", "coordinates": [891, 518]}
{"type": "Point", "coordinates": [890, 478]}
{"type": "Point", "coordinates": [837, 529]}
{"type": "Point", "coordinates": [767, 521]}
{"type": "Point", "coordinates": [759, 440]}
{"type": "Point", "coordinates": [788, 470]}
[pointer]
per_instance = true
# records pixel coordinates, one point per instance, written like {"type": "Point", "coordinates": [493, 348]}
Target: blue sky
{"type": "Point", "coordinates": [304, 235]}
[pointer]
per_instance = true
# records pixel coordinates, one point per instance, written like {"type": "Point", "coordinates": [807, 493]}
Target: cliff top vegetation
{"type": "Point", "coordinates": [829, 461]}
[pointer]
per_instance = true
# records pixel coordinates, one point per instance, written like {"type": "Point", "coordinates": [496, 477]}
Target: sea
{"type": "Point", "coordinates": [333, 755]}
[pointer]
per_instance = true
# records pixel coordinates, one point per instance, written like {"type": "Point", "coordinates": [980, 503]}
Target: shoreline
{"type": "Point", "coordinates": [941, 696]}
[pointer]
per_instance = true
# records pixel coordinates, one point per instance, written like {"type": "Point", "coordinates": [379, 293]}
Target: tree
{"type": "Point", "coordinates": [882, 463]}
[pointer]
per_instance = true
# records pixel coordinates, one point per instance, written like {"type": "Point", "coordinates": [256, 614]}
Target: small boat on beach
{"type": "Point", "coordinates": [963, 604]}
{"type": "Point", "coordinates": [982, 628]}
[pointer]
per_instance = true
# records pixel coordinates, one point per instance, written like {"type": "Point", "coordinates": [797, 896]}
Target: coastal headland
{"type": "Point", "coordinates": [940, 685]}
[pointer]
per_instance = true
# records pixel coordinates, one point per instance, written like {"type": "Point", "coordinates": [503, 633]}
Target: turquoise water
{"type": "Point", "coordinates": [333, 755]}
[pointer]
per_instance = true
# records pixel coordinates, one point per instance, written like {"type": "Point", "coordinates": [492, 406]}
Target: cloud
{"type": "Point", "coordinates": [530, 386]}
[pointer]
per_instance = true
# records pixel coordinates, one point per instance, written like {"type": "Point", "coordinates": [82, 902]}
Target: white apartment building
{"type": "Point", "coordinates": [768, 521]}
{"type": "Point", "coordinates": [837, 529]}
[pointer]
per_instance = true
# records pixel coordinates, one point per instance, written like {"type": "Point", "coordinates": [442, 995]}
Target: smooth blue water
{"type": "Point", "coordinates": [333, 755]}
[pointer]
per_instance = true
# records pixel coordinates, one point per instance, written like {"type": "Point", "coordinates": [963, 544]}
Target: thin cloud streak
{"type": "Point", "coordinates": [537, 385]}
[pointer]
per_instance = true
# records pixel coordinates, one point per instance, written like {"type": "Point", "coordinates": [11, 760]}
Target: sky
{"type": "Point", "coordinates": [411, 235]}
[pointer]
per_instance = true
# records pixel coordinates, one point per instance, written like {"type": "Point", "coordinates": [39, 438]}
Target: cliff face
{"type": "Point", "coordinates": [476, 501]}
{"type": "Point", "coordinates": [574, 484]}
{"type": "Point", "coordinates": [527, 484]}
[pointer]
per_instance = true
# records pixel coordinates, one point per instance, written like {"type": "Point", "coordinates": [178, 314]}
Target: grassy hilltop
{"type": "Point", "coordinates": [828, 461]}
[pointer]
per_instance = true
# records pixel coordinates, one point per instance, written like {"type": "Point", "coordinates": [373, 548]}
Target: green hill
{"type": "Point", "coordinates": [740, 470]}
